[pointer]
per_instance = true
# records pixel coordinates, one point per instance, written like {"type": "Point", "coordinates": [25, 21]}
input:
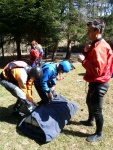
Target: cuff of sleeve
{"type": "Point", "coordinates": [48, 91]}
{"type": "Point", "coordinates": [29, 98]}
{"type": "Point", "coordinates": [83, 61]}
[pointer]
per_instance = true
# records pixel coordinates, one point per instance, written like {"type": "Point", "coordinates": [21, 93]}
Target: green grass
{"type": "Point", "coordinates": [73, 136]}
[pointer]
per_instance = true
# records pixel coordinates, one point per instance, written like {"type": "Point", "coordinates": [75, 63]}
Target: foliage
{"type": "Point", "coordinates": [49, 19]}
{"type": "Point", "coordinates": [109, 28]}
{"type": "Point", "coordinates": [21, 16]}
{"type": "Point", "coordinates": [53, 20]}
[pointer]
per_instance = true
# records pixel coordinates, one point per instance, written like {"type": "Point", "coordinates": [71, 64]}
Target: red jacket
{"type": "Point", "coordinates": [98, 62]}
{"type": "Point", "coordinates": [34, 55]}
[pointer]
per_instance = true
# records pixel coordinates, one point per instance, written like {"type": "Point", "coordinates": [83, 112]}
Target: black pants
{"type": "Point", "coordinates": [42, 93]}
{"type": "Point", "coordinates": [94, 102]}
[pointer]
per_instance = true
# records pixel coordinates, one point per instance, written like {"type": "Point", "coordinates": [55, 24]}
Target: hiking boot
{"type": "Point", "coordinates": [94, 137]}
{"type": "Point", "coordinates": [31, 107]}
{"type": "Point", "coordinates": [87, 123]}
{"type": "Point", "coordinates": [16, 112]}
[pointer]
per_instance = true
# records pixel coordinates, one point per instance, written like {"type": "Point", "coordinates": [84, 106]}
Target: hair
{"type": "Point", "coordinates": [97, 25]}
{"type": "Point", "coordinates": [38, 46]}
{"type": "Point", "coordinates": [33, 43]}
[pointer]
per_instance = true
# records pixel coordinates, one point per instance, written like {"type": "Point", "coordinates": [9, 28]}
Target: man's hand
{"type": "Point", "coordinates": [35, 104]}
{"type": "Point", "coordinates": [52, 88]}
{"type": "Point", "coordinates": [81, 58]}
{"type": "Point", "coordinates": [87, 48]}
{"type": "Point", "coordinates": [50, 96]}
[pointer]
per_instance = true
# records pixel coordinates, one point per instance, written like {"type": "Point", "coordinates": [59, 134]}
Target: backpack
{"type": "Point", "coordinates": [8, 70]}
{"type": "Point", "coordinates": [15, 64]}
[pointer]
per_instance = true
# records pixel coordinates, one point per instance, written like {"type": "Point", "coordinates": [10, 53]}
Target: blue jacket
{"type": "Point", "coordinates": [49, 76]}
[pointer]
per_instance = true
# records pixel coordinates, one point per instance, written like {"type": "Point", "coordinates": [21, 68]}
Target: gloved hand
{"type": "Point", "coordinates": [81, 58]}
{"type": "Point", "coordinates": [54, 93]}
{"type": "Point", "coordinates": [52, 90]}
{"type": "Point", "coordinates": [35, 103]}
{"type": "Point", "coordinates": [50, 95]}
{"type": "Point", "coordinates": [31, 107]}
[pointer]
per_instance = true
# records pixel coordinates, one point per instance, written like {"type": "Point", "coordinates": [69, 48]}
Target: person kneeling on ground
{"type": "Point", "coordinates": [18, 77]}
{"type": "Point", "coordinates": [46, 85]}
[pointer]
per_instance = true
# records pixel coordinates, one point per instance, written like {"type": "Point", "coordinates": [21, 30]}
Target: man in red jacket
{"type": "Point", "coordinates": [97, 59]}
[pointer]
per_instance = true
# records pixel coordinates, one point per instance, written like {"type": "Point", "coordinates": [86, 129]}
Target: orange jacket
{"type": "Point", "coordinates": [98, 62]}
{"type": "Point", "coordinates": [20, 77]}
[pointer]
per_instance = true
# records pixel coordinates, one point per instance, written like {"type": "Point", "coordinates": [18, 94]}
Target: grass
{"type": "Point", "coordinates": [73, 136]}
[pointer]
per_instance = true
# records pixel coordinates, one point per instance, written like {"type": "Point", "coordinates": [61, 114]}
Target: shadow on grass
{"type": "Point", "coordinates": [6, 115]}
{"type": "Point", "coordinates": [38, 141]}
{"type": "Point", "coordinates": [81, 74]}
{"type": "Point", "coordinates": [74, 123]}
{"type": "Point", "coordinates": [75, 133]}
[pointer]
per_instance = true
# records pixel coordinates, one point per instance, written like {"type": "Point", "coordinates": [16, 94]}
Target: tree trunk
{"type": "Point", "coordinates": [68, 54]}
{"type": "Point", "coordinates": [46, 49]}
{"type": "Point", "coordinates": [18, 40]}
{"type": "Point", "coordinates": [55, 51]}
{"type": "Point", "coordinates": [46, 52]}
{"type": "Point", "coordinates": [2, 47]}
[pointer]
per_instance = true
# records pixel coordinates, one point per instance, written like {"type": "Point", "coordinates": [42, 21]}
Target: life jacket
{"type": "Point", "coordinates": [53, 67]}
{"type": "Point", "coordinates": [15, 64]}
{"type": "Point", "coordinates": [7, 72]}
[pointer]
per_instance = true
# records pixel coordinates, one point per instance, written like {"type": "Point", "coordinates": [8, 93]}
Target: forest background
{"type": "Point", "coordinates": [50, 23]}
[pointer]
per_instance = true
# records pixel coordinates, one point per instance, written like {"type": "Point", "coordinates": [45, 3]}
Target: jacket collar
{"type": "Point", "coordinates": [99, 39]}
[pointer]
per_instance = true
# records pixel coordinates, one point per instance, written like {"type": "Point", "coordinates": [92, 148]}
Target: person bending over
{"type": "Point", "coordinates": [18, 77]}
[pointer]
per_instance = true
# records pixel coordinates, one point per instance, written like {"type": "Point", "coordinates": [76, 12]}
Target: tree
{"type": "Point", "coordinates": [14, 15]}
{"type": "Point", "coordinates": [3, 31]}
{"type": "Point", "coordinates": [75, 25]}
{"type": "Point", "coordinates": [50, 23]}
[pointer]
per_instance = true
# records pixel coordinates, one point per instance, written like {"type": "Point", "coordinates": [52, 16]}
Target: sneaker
{"type": "Point", "coordinates": [87, 123]}
{"type": "Point", "coordinates": [31, 107]}
{"type": "Point", "coordinates": [15, 109]}
{"type": "Point", "coordinates": [16, 112]}
{"type": "Point", "coordinates": [93, 137]}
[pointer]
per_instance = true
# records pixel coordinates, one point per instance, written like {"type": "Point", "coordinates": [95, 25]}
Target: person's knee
{"type": "Point", "coordinates": [97, 113]}
{"type": "Point", "coordinates": [17, 92]}
{"type": "Point", "coordinates": [8, 85]}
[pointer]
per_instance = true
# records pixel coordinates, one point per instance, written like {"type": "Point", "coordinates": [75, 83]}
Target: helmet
{"type": "Point", "coordinates": [65, 66]}
{"type": "Point", "coordinates": [36, 72]}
